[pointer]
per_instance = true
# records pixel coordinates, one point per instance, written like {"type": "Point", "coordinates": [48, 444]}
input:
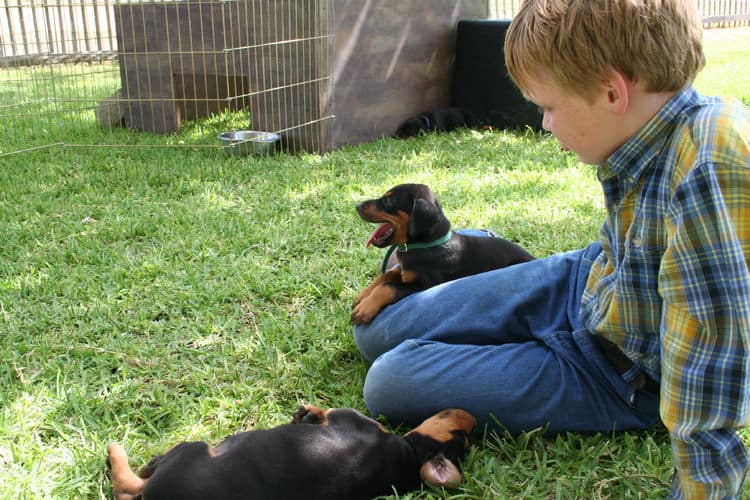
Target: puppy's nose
{"type": "Point", "coordinates": [359, 207]}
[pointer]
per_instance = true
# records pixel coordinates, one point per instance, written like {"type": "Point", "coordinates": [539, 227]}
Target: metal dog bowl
{"type": "Point", "coordinates": [249, 142]}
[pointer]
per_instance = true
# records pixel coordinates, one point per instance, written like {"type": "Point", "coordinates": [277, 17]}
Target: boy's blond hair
{"type": "Point", "coordinates": [578, 43]}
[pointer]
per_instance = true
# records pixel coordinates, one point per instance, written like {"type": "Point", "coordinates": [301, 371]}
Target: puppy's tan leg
{"type": "Point", "coordinates": [392, 276]}
{"type": "Point", "coordinates": [309, 414]}
{"type": "Point", "coordinates": [365, 311]}
{"type": "Point", "coordinates": [125, 484]}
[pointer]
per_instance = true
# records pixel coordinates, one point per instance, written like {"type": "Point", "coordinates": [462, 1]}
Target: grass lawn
{"type": "Point", "coordinates": [154, 295]}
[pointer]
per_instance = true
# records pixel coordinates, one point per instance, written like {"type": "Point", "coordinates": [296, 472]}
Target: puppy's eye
{"type": "Point", "coordinates": [387, 202]}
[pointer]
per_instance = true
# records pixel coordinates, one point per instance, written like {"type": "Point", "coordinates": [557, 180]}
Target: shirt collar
{"type": "Point", "coordinates": [634, 157]}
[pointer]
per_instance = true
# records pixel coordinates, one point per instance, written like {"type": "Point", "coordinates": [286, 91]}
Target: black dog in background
{"type": "Point", "coordinates": [439, 120]}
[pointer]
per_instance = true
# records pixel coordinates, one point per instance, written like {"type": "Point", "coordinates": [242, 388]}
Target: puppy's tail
{"type": "Point", "coordinates": [125, 484]}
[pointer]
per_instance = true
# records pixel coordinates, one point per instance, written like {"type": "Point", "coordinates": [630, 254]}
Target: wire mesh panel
{"type": "Point", "coordinates": [184, 60]}
{"type": "Point", "coordinates": [91, 72]}
{"type": "Point", "coordinates": [56, 59]}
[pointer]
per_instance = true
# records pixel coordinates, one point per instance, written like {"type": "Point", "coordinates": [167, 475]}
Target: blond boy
{"type": "Point", "coordinates": [650, 323]}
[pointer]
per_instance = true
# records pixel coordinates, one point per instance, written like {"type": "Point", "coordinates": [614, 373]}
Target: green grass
{"type": "Point", "coordinates": [155, 295]}
{"type": "Point", "coordinates": [727, 69]}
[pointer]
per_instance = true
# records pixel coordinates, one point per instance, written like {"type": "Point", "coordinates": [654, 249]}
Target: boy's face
{"type": "Point", "coordinates": [588, 128]}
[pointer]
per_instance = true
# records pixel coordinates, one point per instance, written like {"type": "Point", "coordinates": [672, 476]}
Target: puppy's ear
{"type": "Point", "coordinates": [440, 472]}
{"type": "Point", "coordinates": [423, 219]}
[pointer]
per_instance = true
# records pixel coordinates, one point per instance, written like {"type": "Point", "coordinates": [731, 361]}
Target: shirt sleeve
{"type": "Point", "coordinates": [705, 335]}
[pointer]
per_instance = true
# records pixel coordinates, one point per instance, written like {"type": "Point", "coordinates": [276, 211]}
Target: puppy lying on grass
{"type": "Point", "coordinates": [334, 454]}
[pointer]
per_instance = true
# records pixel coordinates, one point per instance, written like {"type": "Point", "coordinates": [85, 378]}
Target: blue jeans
{"type": "Point", "coordinates": [507, 346]}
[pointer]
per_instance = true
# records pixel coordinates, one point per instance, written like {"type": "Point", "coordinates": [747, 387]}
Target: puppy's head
{"type": "Point", "coordinates": [440, 443]}
{"type": "Point", "coordinates": [411, 127]}
{"type": "Point", "coordinates": [407, 213]}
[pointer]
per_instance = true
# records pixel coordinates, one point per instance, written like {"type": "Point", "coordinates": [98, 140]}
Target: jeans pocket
{"type": "Point", "coordinates": [626, 382]}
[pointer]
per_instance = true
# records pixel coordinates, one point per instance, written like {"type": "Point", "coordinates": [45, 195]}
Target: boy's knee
{"type": "Point", "coordinates": [368, 342]}
{"type": "Point", "coordinates": [385, 386]}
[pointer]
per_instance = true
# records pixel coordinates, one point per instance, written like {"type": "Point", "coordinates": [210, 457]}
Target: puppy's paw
{"type": "Point", "coordinates": [309, 414]}
{"type": "Point", "coordinates": [364, 312]}
{"type": "Point", "coordinates": [298, 415]}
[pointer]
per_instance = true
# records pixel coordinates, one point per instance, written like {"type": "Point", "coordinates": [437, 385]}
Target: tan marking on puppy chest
{"type": "Point", "coordinates": [408, 276]}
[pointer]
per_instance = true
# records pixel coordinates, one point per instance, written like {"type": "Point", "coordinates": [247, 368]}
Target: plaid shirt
{"type": "Point", "coordinates": [672, 287]}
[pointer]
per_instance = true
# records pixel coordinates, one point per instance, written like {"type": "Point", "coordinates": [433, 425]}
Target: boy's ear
{"type": "Point", "coordinates": [617, 90]}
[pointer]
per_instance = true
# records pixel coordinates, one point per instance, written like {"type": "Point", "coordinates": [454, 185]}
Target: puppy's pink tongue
{"type": "Point", "coordinates": [382, 230]}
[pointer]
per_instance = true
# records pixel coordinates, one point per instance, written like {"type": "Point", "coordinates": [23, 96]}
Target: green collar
{"type": "Point", "coordinates": [405, 247]}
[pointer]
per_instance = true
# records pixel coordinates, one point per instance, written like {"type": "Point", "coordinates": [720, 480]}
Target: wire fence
{"type": "Point", "coordinates": [724, 13]}
{"type": "Point", "coordinates": [78, 73]}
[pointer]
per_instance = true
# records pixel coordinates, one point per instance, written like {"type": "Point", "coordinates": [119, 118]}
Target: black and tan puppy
{"type": "Point", "coordinates": [438, 120]}
{"type": "Point", "coordinates": [412, 220]}
{"type": "Point", "coordinates": [334, 454]}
